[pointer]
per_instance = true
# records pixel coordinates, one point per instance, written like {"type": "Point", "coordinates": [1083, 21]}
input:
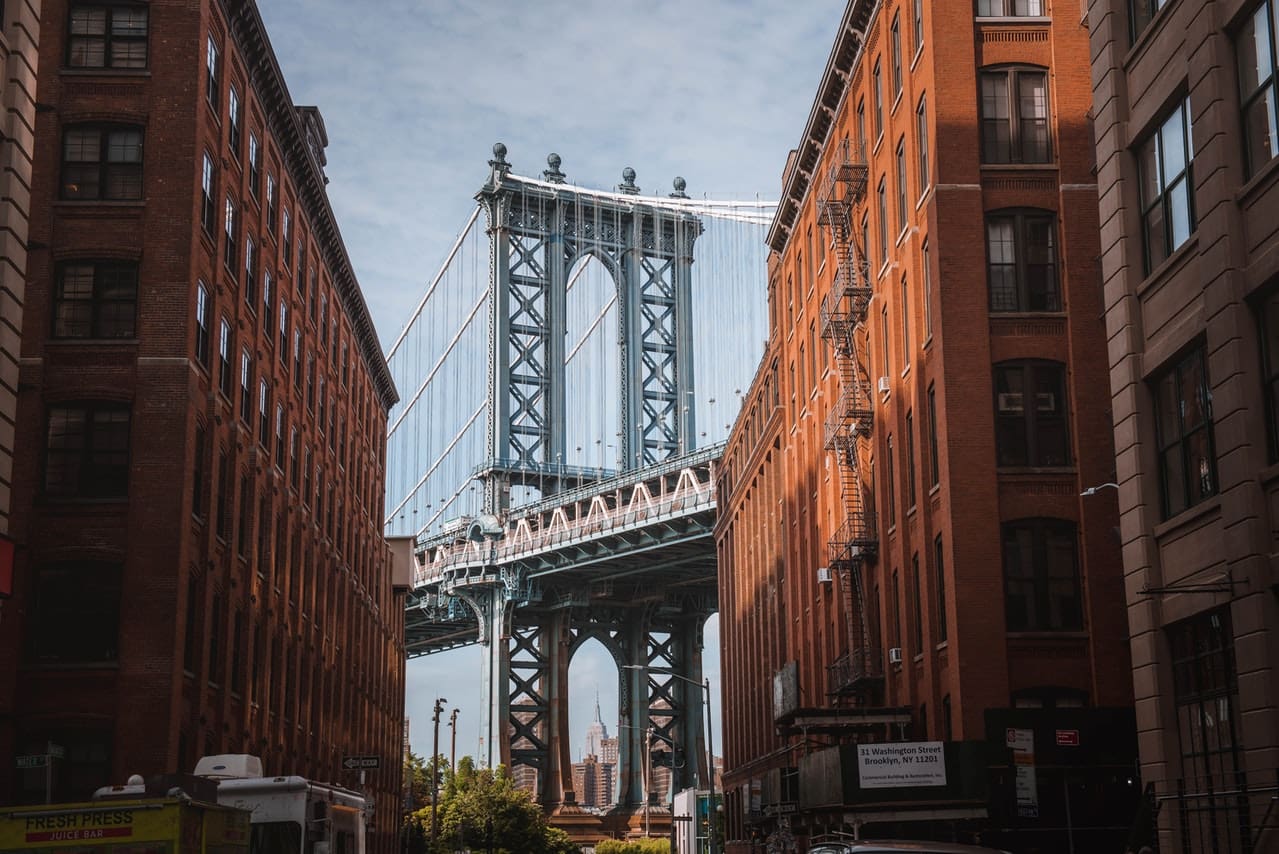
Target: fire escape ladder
{"type": "Point", "coordinates": [850, 420]}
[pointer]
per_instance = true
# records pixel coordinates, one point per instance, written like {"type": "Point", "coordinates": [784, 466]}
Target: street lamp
{"type": "Point", "coordinates": [1093, 490]}
{"type": "Point", "coordinates": [435, 769]}
{"type": "Point", "coordinates": [713, 840]}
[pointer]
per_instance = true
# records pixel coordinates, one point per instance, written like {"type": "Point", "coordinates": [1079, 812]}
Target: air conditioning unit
{"type": "Point", "coordinates": [895, 655]}
{"type": "Point", "coordinates": [1010, 401]}
{"type": "Point", "coordinates": [823, 574]}
{"type": "Point", "coordinates": [883, 385]}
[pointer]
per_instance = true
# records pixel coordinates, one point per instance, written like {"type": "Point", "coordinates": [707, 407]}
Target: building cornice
{"type": "Point", "coordinates": [286, 124]}
{"type": "Point", "coordinates": [799, 174]}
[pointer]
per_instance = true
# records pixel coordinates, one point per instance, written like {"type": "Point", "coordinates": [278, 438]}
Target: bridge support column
{"type": "Point", "coordinates": [632, 708]}
{"type": "Point", "coordinates": [495, 677]}
{"type": "Point", "coordinates": [557, 783]}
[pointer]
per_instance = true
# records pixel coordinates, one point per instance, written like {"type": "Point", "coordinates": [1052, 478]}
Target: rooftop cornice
{"type": "Point", "coordinates": [844, 54]}
{"type": "Point", "coordinates": [286, 124]}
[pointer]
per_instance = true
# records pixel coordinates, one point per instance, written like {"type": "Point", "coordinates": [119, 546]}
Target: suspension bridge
{"type": "Point", "coordinates": [571, 374]}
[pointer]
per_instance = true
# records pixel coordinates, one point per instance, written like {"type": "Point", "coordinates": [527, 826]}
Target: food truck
{"type": "Point", "coordinates": [168, 825]}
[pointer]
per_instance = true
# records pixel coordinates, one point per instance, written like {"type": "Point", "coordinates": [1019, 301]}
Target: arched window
{"type": "Point", "coordinates": [1041, 576]}
{"type": "Point", "coordinates": [1030, 414]}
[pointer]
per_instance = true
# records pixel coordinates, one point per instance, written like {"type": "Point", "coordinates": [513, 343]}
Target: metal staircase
{"type": "Point", "coordinates": [850, 421]}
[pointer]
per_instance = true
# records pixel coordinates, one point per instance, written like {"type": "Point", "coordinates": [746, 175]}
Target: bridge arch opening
{"type": "Point", "coordinates": [593, 680]}
{"type": "Point", "coordinates": [592, 366]}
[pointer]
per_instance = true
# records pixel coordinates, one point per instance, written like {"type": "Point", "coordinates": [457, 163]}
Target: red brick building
{"type": "Point", "coordinates": [202, 409]}
{"type": "Point", "coordinates": [1188, 158]}
{"type": "Point", "coordinates": [905, 552]}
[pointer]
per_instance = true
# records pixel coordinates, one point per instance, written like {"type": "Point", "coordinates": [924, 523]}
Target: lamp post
{"type": "Point", "coordinates": [453, 736]}
{"type": "Point", "coordinates": [435, 770]}
{"type": "Point", "coordinates": [705, 686]}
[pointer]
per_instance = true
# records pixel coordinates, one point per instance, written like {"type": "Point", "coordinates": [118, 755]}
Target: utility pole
{"type": "Point", "coordinates": [435, 771]}
{"type": "Point", "coordinates": [453, 749]}
{"type": "Point", "coordinates": [711, 817]}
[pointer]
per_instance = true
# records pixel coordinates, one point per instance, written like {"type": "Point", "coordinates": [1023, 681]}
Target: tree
{"type": "Point", "coordinates": [481, 810]}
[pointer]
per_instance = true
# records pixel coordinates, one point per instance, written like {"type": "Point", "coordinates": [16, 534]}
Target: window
{"type": "Point", "coordinates": [910, 460]}
{"type": "Point", "coordinates": [878, 94]}
{"type": "Point", "coordinates": [889, 482]}
{"type": "Point", "coordinates": [897, 612]}
{"type": "Point", "coordinates": [1022, 262]}
{"type": "Point", "coordinates": [865, 248]}
{"type": "Point", "coordinates": [242, 522]}
{"type": "Point", "coordinates": [1167, 197]}
{"type": "Point", "coordinates": [883, 340]}
{"type": "Point", "coordinates": [234, 134]}
{"type": "Point", "coordinates": [1141, 12]}
{"type": "Point", "coordinates": [264, 409]}
{"type": "Point", "coordinates": [901, 184]}
{"type": "Point", "coordinates": [1187, 464]}
{"type": "Point", "coordinates": [107, 35]}
{"type": "Point", "coordinates": [202, 324]}
{"type": "Point", "coordinates": [917, 602]}
{"type": "Point", "coordinates": [224, 358]}
{"type": "Point", "coordinates": [222, 519]}
{"type": "Point", "coordinates": [934, 462]}
{"type": "Point", "coordinates": [1269, 319]}
{"type": "Point", "coordinates": [250, 274]}
{"type": "Point", "coordinates": [230, 255]}
{"type": "Point", "coordinates": [214, 85]}
{"type": "Point", "coordinates": [921, 138]}
{"type": "Point", "coordinates": [208, 211]}
{"type": "Point", "coordinates": [95, 299]}
{"type": "Point", "coordinates": [926, 266]}
{"type": "Point", "coordinates": [897, 55]}
{"type": "Point", "coordinates": [87, 451]}
{"type": "Point", "coordinates": [199, 472]}
{"type": "Point", "coordinates": [1014, 116]}
{"type": "Point", "coordinates": [271, 204]}
{"type": "Point", "coordinates": [294, 461]}
{"type": "Point", "coordinates": [883, 220]}
{"type": "Point", "coordinates": [217, 656]}
{"type": "Point", "coordinates": [1041, 576]}
{"type": "Point", "coordinates": [1010, 8]}
{"type": "Point", "coordinates": [917, 25]}
{"type": "Point", "coordinates": [246, 385]}
{"type": "Point", "coordinates": [284, 333]}
{"type": "Point", "coordinates": [279, 436]}
{"type": "Point", "coordinates": [905, 325]}
{"type": "Point", "coordinates": [255, 166]}
{"type": "Point", "coordinates": [1206, 695]}
{"type": "Point", "coordinates": [1255, 48]}
{"type": "Point", "coordinates": [1030, 414]}
{"type": "Point", "coordinates": [267, 304]}
{"type": "Point", "coordinates": [102, 162]}
{"type": "Point", "coordinates": [940, 563]}
{"type": "Point", "coordinates": [285, 239]}
{"type": "Point", "coordinates": [861, 126]}
{"type": "Point", "coordinates": [76, 613]}
{"type": "Point", "coordinates": [297, 356]}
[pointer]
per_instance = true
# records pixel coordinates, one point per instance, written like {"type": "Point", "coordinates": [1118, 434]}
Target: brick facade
{"type": "Point", "coordinates": [241, 529]}
{"type": "Point", "coordinates": [1201, 572]}
{"type": "Point", "coordinates": [929, 346]}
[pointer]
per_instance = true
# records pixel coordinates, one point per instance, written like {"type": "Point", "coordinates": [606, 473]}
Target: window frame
{"type": "Point", "coordinates": [213, 73]}
{"type": "Point", "coordinates": [86, 478]}
{"type": "Point", "coordinates": [1030, 418]}
{"type": "Point", "coordinates": [1175, 371]}
{"type": "Point", "coordinates": [1267, 311]}
{"type": "Point", "coordinates": [1141, 13]}
{"type": "Point", "coordinates": [231, 231]}
{"type": "Point", "coordinates": [890, 484]}
{"type": "Point", "coordinates": [108, 171]}
{"type": "Point", "coordinates": [96, 301]}
{"type": "Point", "coordinates": [1009, 9]}
{"type": "Point", "coordinates": [925, 176]}
{"type": "Point", "coordinates": [1022, 221]}
{"type": "Point", "coordinates": [109, 38]}
{"type": "Point", "coordinates": [225, 382]}
{"type": "Point", "coordinates": [76, 622]}
{"type": "Point", "coordinates": [878, 99]}
{"type": "Point", "coordinates": [895, 50]}
{"type": "Point", "coordinates": [255, 165]}
{"type": "Point", "coordinates": [1266, 90]}
{"type": "Point", "coordinates": [939, 567]}
{"type": "Point", "coordinates": [203, 329]}
{"type": "Point", "coordinates": [1014, 121]}
{"type": "Point", "coordinates": [903, 187]}
{"type": "Point", "coordinates": [1038, 578]}
{"type": "Point", "coordinates": [910, 461]}
{"type": "Point", "coordinates": [1162, 203]}
{"type": "Point", "coordinates": [235, 121]}
{"type": "Point", "coordinates": [933, 446]}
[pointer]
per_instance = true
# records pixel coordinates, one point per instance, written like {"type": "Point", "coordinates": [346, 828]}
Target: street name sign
{"type": "Point", "coordinates": [351, 763]}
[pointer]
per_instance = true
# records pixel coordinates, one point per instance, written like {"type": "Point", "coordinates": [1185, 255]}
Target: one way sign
{"type": "Point", "coordinates": [351, 763]}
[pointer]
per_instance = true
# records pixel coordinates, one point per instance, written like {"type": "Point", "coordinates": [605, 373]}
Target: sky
{"type": "Point", "coordinates": [414, 93]}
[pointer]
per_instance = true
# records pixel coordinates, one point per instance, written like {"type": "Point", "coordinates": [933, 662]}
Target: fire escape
{"type": "Point", "coordinates": [856, 676]}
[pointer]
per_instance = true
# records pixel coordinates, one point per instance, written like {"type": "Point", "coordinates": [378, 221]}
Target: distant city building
{"type": "Point", "coordinates": [904, 552]}
{"type": "Point", "coordinates": [596, 733]}
{"type": "Point", "coordinates": [202, 404]}
{"type": "Point", "coordinates": [1187, 147]}
{"type": "Point", "coordinates": [593, 782]}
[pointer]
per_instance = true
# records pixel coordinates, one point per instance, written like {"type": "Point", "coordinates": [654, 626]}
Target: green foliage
{"type": "Point", "coordinates": [633, 846]}
{"type": "Point", "coordinates": [480, 808]}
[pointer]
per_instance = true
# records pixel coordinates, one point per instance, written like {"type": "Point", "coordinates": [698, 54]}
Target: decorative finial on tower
{"type": "Point", "coordinates": [597, 706]}
{"type": "Point", "coordinates": [498, 163]}
{"type": "Point", "coordinates": [628, 182]}
{"type": "Point", "coordinates": [554, 175]}
{"type": "Point", "coordinates": [680, 185]}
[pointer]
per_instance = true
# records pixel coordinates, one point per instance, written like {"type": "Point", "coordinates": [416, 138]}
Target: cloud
{"type": "Point", "coordinates": [415, 92]}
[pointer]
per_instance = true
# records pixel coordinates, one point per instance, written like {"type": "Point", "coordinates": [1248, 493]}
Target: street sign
{"type": "Point", "coordinates": [1068, 738]}
{"type": "Point", "coordinates": [351, 763]}
{"type": "Point", "coordinates": [56, 751]}
{"type": "Point", "coordinates": [34, 760]}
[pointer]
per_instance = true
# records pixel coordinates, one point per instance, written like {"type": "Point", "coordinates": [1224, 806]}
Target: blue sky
{"type": "Point", "coordinates": [415, 92]}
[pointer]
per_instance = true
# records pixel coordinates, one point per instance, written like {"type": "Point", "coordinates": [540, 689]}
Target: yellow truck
{"type": "Point", "coordinates": [146, 826]}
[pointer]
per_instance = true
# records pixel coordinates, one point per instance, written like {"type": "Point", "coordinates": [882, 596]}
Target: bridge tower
{"type": "Point", "coordinates": [538, 230]}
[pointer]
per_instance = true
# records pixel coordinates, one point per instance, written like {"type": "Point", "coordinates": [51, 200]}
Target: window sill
{"type": "Point", "coordinates": [1043, 635]}
{"type": "Point", "coordinates": [1170, 265]}
{"type": "Point", "coordinates": [1046, 166]}
{"type": "Point", "coordinates": [1207, 507]}
{"type": "Point", "coordinates": [82, 204]}
{"type": "Point", "coordinates": [70, 665]}
{"type": "Point", "coordinates": [137, 73]}
{"type": "Point", "coordinates": [897, 99]}
{"type": "Point", "coordinates": [934, 489]}
{"type": "Point", "coordinates": [1262, 180]}
{"type": "Point", "coordinates": [1036, 471]}
{"type": "Point", "coordinates": [914, 60]}
{"type": "Point", "coordinates": [1005, 20]}
{"type": "Point", "coordinates": [93, 342]}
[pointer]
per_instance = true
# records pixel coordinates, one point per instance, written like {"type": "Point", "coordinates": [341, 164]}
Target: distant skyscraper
{"type": "Point", "coordinates": [596, 735]}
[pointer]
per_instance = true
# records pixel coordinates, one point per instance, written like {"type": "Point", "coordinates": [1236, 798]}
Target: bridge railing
{"type": "Point", "coordinates": [584, 513]}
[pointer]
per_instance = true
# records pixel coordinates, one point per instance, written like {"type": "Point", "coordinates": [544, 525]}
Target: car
{"type": "Point", "coordinates": [894, 846]}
